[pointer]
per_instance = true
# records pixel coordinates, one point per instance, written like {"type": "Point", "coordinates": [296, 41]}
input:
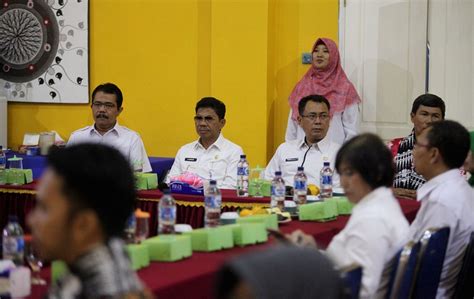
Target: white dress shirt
{"type": "Point", "coordinates": [219, 161]}
{"type": "Point", "coordinates": [447, 200]}
{"type": "Point", "coordinates": [128, 142]}
{"type": "Point", "coordinates": [375, 232]}
{"type": "Point", "coordinates": [290, 155]}
{"type": "Point", "coordinates": [344, 125]}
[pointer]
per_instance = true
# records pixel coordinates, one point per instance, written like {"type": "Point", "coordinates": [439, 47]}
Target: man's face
{"type": "Point", "coordinates": [49, 221]}
{"type": "Point", "coordinates": [424, 116]}
{"type": "Point", "coordinates": [314, 121]}
{"type": "Point", "coordinates": [105, 110]}
{"type": "Point", "coordinates": [422, 154]}
{"type": "Point", "coordinates": [208, 125]}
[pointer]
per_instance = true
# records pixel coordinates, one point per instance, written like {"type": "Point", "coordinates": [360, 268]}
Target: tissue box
{"type": "Point", "coordinates": [319, 211]}
{"type": "Point", "coordinates": [265, 187]}
{"type": "Point", "coordinates": [139, 256]}
{"type": "Point", "coordinates": [344, 206]}
{"type": "Point", "coordinates": [169, 248]}
{"type": "Point", "coordinates": [249, 233]}
{"type": "Point", "coordinates": [19, 176]}
{"type": "Point", "coordinates": [269, 220]}
{"type": "Point", "coordinates": [15, 282]}
{"type": "Point", "coordinates": [184, 188]}
{"type": "Point", "coordinates": [146, 181]}
{"type": "Point", "coordinates": [211, 239]}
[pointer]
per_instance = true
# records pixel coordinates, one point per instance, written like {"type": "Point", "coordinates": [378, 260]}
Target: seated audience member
{"type": "Point", "coordinates": [469, 163]}
{"type": "Point", "coordinates": [280, 272]}
{"type": "Point", "coordinates": [211, 155]}
{"type": "Point", "coordinates": [106, 106]}
{"type": "Point", "coordinates": [427, 108]}
{"type": "Point", "coordinates": [84, 199]}
{"type": "Point", "coordinates": [446, 198]}
{"type": "Point", "coordinates": [310, 151]}
{"type": "Point", "coordinates": [377, 228]}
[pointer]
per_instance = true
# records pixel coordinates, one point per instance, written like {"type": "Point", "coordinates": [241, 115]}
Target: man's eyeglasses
{"type": "Point", "coordinates": [207, 119]}
{"type": "Point", "coordinates": [314, 116]}
{"type": "Point", "coordinates": [107, 105]}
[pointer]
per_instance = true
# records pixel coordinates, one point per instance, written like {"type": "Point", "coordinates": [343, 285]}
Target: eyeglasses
{"type": "Point", "coordinates": [107, 105]}
{"type": "Point", "coordinates": [207, 119]}
{"type": "Point", "coordinates": [314, 116]}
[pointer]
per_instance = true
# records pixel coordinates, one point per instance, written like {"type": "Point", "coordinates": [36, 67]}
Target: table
{"type": "Point", "coordinates": [159, 165]}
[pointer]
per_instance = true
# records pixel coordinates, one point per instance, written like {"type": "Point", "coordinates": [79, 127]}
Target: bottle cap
{"type": "Point", "coordinates": [167, 191]}
{"type": "Point", "coordinates": [213, 182]}
{"type": "Point", "coordinates": [326, 163]}
{"type": "Point", "coordinates": [300, 168]}
{"type": "Point", "coordinates": [278, 173]}
{"type": "Point", "coordinates": [243, 156]}
{"type": "Point", "coordinates": [12, 218]}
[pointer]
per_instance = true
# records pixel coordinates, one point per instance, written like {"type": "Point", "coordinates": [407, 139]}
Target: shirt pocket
{"type": "Point", "coordinates": [290, 165]}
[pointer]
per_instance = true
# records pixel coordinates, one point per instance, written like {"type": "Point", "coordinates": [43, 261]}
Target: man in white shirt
{"type": "Point", "coordinates": [446, 198]}
{"type": "Point", "coordinates": [211, 156]}
{"type": "Point", "coordinates": [106, 107]}
{"type": "Point", "coordinates": [310, 151]}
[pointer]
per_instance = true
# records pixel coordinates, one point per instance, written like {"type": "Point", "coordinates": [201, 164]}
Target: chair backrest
{"type": "Point", "coordinates": [430, 262]}
{"type": "Point", "coordinates": [403, 272]}
{"type": "Point", "coordinates": [465, 284]}
{"type": "Point", "coordinates": [352, 277]}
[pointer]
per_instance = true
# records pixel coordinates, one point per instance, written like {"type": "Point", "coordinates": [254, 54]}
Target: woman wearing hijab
{"type": "Point", "coordinates": [280, 273]}
{"type": "Point", "coordinates": [377, 228]}
{"type": "Point", "coordinates": [327, 78]}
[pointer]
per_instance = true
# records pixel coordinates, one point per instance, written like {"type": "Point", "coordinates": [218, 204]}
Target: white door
{"type": "Point", "coordinates": [383, 50]}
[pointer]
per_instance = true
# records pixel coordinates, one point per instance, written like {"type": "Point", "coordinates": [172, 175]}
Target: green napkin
{"type": "Point", "coordinates": [169, 248]}
{"type": "Point", "coordinates": [139, 255]}
{"type": "Point", "coordinates": [318, 211]}
{"type": "Point", "coordinates": [146, 181]}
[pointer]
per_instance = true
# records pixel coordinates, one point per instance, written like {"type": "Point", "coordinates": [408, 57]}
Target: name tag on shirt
{"type": "Point", "coordinates": [190, 159]}
{"type": "Point", "coordinates": [291, 160]}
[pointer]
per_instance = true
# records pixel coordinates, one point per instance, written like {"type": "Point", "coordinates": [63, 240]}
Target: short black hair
{"type": "Point", "coordinates": [109, 88]}
{"type": "Point", "coordinates": [429, 100]}
{"type": "Point", "coordinates": [214, 104]}
{"type": "Point", "coordinates": [452, 140]}
{"type": "Point", "coordinates": [96, 177]}
{"type": "Point", "coordinates": [370, 157]}
{"type": "Point", "coordinates": [313, 98]}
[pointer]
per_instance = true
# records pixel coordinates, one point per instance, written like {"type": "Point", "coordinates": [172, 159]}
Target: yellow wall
{"type": "Point", "coordinates": [165, 55]}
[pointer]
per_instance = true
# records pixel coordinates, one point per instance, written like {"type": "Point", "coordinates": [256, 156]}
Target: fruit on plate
{"type": "Point", "coordinates": [313, 189]}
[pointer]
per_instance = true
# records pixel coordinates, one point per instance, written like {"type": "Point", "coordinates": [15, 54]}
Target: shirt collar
{"type": "Point", "coordinates": [322, 145]}
{"type": "Point", "coordinates": [219, 143]}
{"type": "Point", "coordinates": [430, 185]}
{"type": "Point", "coordinates": [117, 129]}
{"type": "Point", "coordinates": [380, 192]}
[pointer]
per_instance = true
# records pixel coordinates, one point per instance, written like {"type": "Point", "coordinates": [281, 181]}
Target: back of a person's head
{"type": "Point", "coordinates": [429, 100]}
{"type": "Point", "coordinates": [110, 88]}
{"type": "Point", "coordinates": [214, 104]}
{"type": "Point", "coordinates": [281, 272]}
{"type": "Point", "coordinates": [99, 178]}
{"type": "Point", "coordinates": [370, 157]}
{"type": "Point", "coordinates": [452, 140]}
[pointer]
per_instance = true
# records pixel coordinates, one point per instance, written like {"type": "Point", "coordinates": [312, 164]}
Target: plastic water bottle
{"type": "Point", "coordinates": [300, 188]}
{"type": "Point", "coordinates": [130, 229]}
{"type": "Point", "coordinates": [3, 164]}
{"type": "Point", "coordinates": [212, 205]}
{"type": "Point", "coordinates": [278, 191]}
{"type": "Point", "coordinates": [326, 181]}
{"type": "Point", "coordinates": [166, 213]}
{"type": "Point", "coordinates": [13, 241]}
{"type": "Point", "coordinates": [243, 177]}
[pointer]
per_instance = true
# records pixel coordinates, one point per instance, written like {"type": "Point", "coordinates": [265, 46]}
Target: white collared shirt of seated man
{"type": "Point", "coordinates": [312, 150]}
{"type": "Point", "coordinates": [106, 107]}
{"type": "Point", "coordinates": [212, 155]}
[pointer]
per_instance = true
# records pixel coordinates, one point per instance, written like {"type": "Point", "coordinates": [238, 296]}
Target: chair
{"type": "Point", "coordinates": [430, 262]}
{"type": "Point", "coordinates": [352, 278]}
{"type": "Point", "coordinates": [403, 272]}
{"type": "Point", "coordinates": [465, 285]}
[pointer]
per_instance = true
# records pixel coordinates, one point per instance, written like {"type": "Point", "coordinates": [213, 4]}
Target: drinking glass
{"type": "Point", "coordinates": [256, 180]}
{"type": "Point", "coordinates": [142, 230]}
{"type": "Point", "coordinates": [35, 263]}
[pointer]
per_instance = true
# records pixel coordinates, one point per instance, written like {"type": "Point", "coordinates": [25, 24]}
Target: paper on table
{"type": "Point", "coordinates": [31, 139]}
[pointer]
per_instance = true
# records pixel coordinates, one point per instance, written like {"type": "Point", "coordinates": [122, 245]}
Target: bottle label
{"type": "Point", "coordinates": [278, 191]}
{"type": "Point", "coordinates": [3, 161]}
{"type": "Point", "coordinates": [326, 180]}
{"type": "Point", "coordinates": [131, 224]}
{"type": "Point", "coordinates": [13, 245]}
{"type": "Point", "coordinates": [243, 171]}
{"type": "Point", "coordinates": [168, 214]}
{"type": "Point", "coordinates": [213, 202]}
{"type": "Point", "coordinates": [300, 185]}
